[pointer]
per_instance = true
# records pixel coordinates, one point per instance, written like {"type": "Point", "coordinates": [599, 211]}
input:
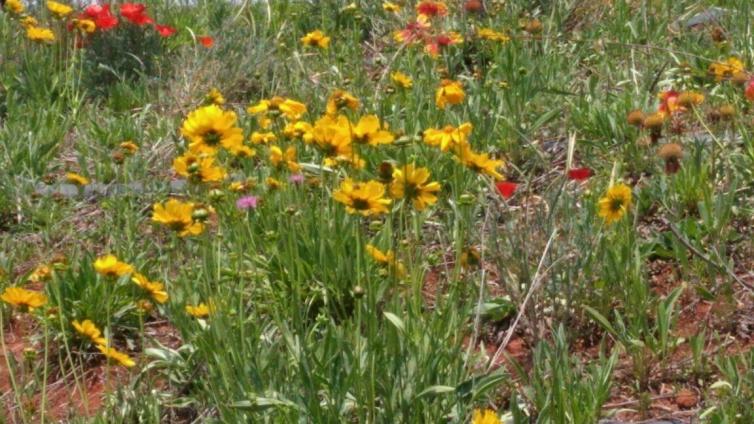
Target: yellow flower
{"type": "Point", "coordinates": [40, 35]}
{"type": "Point", "coordinates": [448, 137]}
{"type": "Point", "coordinates": [263, 138]}
{"type": "Point", "coordinates": [177, 216]}
{"type": "Point", "coordinates": [89, 330]}
{"type": "Point", "coordinates": [300, 129]}
{"type": "Point", "coordinates": [198, 168]}
{"type": "Point", "coordinates": [289, 108]}
{"type": "Point", "coordinates": [487, 416]}
{"type": "Point", "coordinates": [60, 10]}
{"type": "Point", "coordinates": [333, 136]}
{"type": "Point", "coordinates": [85, 25]}
{"type": "Point", "coordinates": [41, 273]}
{"type": "Point", "coordinates": [391, 7]}
{"type": "Point", "coordinates": [401, 80]}
{"type": "Point", "coordinates": [340, 99]}
{"type": "Point", "coordinates": [480, 163]}
{"type": "Point", "coordinates": [14, 6]}
{"type": "Point", "coordinates": [210, 127]}
{"type": "Point", "coordinates": [364, 198]}
{"type": "Point", "coordinates": [22, 298]}
{"type": "Point", "coordinates": [368, 131]}
{"type": "Point", "coordinates": [273, 183]}
{"type": "Point", "coordinates": [492, 35]}
{"type": "Point", "coordinates": [386, 259]}
{"type": "Point", "coordinates": [449, 93]}
{"type": "Point", "coordinates": [726, 69]}
{"type": "Point", "coordinates": [119, 357]}
{"type": "Point", "coordinates": [76, 179]}
{"type": "Point", "coordinates": [215, 97]}
{"type": "Point", "coordinates": [411, 183]}
{"type": "Point", "coordinates": [129, 146]}
{"type": "Point", "coordinates": [199, 311]}
{"type": "Point", "coordinates": [316, 39]}
{"type": "Point", "coordinates": [110, 266]}
{"type": "Point", "coordinates": [615, 203]}
{"type": "Point", "coordinates": [153, 288]}
{"type": "Point", "coordinates": [29, 21]}
{"type": "Point", "coordinates": [278, 158]}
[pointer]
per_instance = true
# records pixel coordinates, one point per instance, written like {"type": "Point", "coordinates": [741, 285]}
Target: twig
{"type": "Point", "coordinates": [534, 285]}
{"type": "Point", "coordinates": [705, 258]}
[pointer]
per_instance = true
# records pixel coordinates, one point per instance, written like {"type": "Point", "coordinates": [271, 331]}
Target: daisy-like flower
{"type": "Point", "coordinates": [431, 8]}
{"type": "Point", "coordinates": [155, 289]}
{"type": "Point", "coordinates": [449, 137]}
{"type": "Point", "coordinates": [435, 45]}
{"type": "Point", "coordinates": [492, 35]}
{"type": "Point", "coordinates": [401, 80]}
{"type": "Point", "coordinates": [316, 39]}
{"type": "Point", "coordinates": [129, 146]}
{"type": "Point", "coordinates": [24, 299]}
{"type": "Point", "coordinates": [487, 416]}
{"type": "Point", "coordinates": [214, 97]}
{"type": "Point", "coordinates": [86, 26]}
{"type": "Point", "coordinates": [365, 198]}
{"type": "Point", "coordinates": [110, 266]}
{"type": "Point", "coordinates": [210, 127]}
{"type": "Point", "coordinates": [177, 216]}
{"type": "Point", "coordinates": [40, 35]}
{"type": "Point", "coordinates": [449, 93]}
{"type": "Point", "coordinates": [615, 204]}
{"type": "Point", "coordinates": [89, 330]}
{"type": "Point", "coordinates": [340, 99]}
{"type": "Point", "coordinates": [116, 355]}
{"type": "Point", "coordinates": [299, 130]}
{"type": "Point", "coordinates": [333, 136]}
{"type": "Point", "coordinates": [200, 168]}
{"type": "Point", "coordinates": [14, 6]}
{"type": "Point", "coordinates": [369, 131]}
{"type": "Point", "coordinates": [387, 260]}
{"type": "Point", "coordinates": [60, 10]}
{"type": "Point", "coordinates": [414, 31]}
{"type": "Point", "coordinates": [28, 21]}
{"type": "Point", "coordinates": [199, 311]}
{"type": "Point", "coordinates": [247, 202]}
{"type": "Point", "coordinates": [411, 183]}
{"type": "Point", "coordinates": [289, 108]}
{"type": "Point", "coordinates": [726, 69]}
{"type": "Point", "coordinates": [76, 179]}
{"type": "Point", "coordinates": [263, 137]}
{"type": "Point", "coordinates": [481, 163]}
{"type": "Point", "coordinates": [278, 158]}
{"type": "Point", "coordinates": [389, 6]}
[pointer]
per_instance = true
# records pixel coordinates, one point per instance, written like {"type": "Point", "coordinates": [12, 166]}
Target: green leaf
{"type": "Point", "coordinates": [397, 322]}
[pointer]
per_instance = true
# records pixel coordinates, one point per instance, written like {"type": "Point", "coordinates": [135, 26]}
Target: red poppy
{"type": "Point", "coordinates": [101, 16]}
{"type": "Point", "coordinates": [749, 93]}
{"type": "Point", "coordinates": [206, 41]}
{"type": "Point", "coordinates": [165, 30]}
{"type": "Point", "coordinates": [579, 174]}
{"type": "Point", "coordinates": [506, 188]}
{"type": "Point", "coordinates": [135, 12]}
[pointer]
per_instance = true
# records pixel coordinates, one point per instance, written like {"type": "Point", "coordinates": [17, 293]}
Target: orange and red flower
{"type": "Point", "coordinates": [206, 41]}
{"type": "Point", "coordinates": [135, 13]}
{"type": "Point", "coordinates": [431, 8]}
{"type": "Point", "coordinates": [101, 16]}
{"type": "Point", "coordinates": [165, 30]}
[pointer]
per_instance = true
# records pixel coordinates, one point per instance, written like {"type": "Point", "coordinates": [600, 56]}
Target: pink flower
{"type": "Point", "coordinates": [247, 202]}
{"type": "Point", "coordinates": [165, 30]}
{"type": "Point", "coordinates": [296, 178]}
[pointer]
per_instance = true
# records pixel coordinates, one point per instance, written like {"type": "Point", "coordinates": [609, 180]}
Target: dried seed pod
{"type": "Point", "coordinates": [635, 118]}
{"type": "Point", "coordinates": [671, 153]}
